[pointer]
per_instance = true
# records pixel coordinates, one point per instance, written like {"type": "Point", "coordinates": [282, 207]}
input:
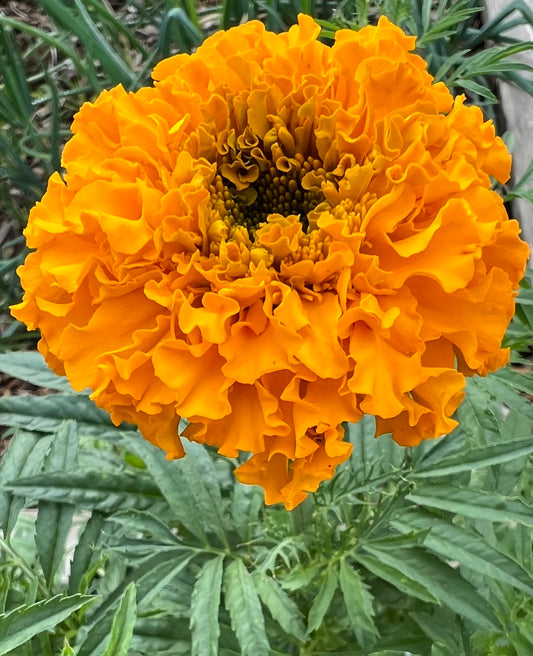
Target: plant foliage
{"type": "Point", "coordinates": [424, 550]}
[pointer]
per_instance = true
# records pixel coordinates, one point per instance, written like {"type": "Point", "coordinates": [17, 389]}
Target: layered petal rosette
{"type": "Point", "coordinates": [278, 237]}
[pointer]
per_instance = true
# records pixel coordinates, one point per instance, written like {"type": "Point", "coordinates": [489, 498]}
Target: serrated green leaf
{"type": "Point", "coordinates": [55, 519]}
{"type": "Point", "coordinates": [96, 490]}
{"type": "Point", "coordinates": [323, 599]}
{"type": "Point", "coordinates": [467, 547]}
{"type": "Point", "coordinates": [242, 602]}
{"type": "Point", "coordinates": [412, 582]}
{"type": "Point", "coordinates": [123, 623]}
{"type": "Point", "coordinates": [205, 602]}
{"type": "Point", "coordinates": [442, 628]}
{"type": "Point", "coordinates": [45, 414]}
{"type": "Point", "coordinates": [473, 503]}
{"type": "Point", "coordinates": [170, 481]}
{"type": "Point", "coordinates": [443, 581]}
{"type": "Point", "coordinates": [31, 367]}
{"type": "Point", "coordinates": [149, 577]}
{"type": "Point", "coordinates": [281, 606]}
{"type": "Point", "coordinates": [84, 551]}
{"type": "Point", "coordinates": [24, 455]}
{"type": "Point", "coordinates": [199, 475]}
{"type": "Point", "coordinates": [357, 599]}
{"type": "Point", "coordinates": [482, 456]}
{"type": "Point", "coordinates": [25, 622]}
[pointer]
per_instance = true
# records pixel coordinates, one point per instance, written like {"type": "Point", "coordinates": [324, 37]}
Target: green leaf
{"type": "Point", "coordinates": [169, 477]}
{"type": "Point", "coordinates": [205, 602]}
{"type": "Point", "coordinates": [24, 457]}
{"type": "Point", "coordinates": [281, 606]}
{"type": "Point", "coordinates": [483, 456]}
{"type": "Point", "coordinates": [123, 623]}
{"type": "Point", "coordinates": [467, 547]}
{"type": "Point", "coordinates": [45, 414]}
{"type": "Point", "coordinates": [245, 610]}
{"type": "Point", "coordinates": [25, 622]}
{"type": "Point", "coordinates": [358, 601]}
{"type": "Point", "coordinates": [149, 577]}
{"type": "Point", "coordinates": [84, 551]}
{"type": "Point", "coordinates": [31, 367]}
{"type": "Point", "coordinates": [323, 599]}
{"type": "Point", "coordinates": [199, 475]}
{"type": "Point", "coordinates": [55, 519]}
{"type": "Point", "coordinates": [67, 650]}
{"type": "Point", "coordinates": [395, 574]}
{"type": "Point", "coordinates": [473, 503]}
{"type": "Point", "coordinates": [146, 522]}
{"type": "Point", "coordinates": [167, 634]}
{"type": "Point", "coordinates": [93, 490]}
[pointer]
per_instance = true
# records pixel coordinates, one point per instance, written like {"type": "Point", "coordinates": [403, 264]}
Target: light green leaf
{"type": "Point", "coordinates": [467, 547]}
{"type": "Point", "coordinates": [123, 623]}
{"type": "Point", "coordinates": [67, 650]}
{"type": "Point", "coordinates": [25, 622]}
{"type": "Point", "coordinates": [473, 503]}
{"type": "Point", "coordinates": [245, 610]}
{"type": "Point", "coordinates": [98, 490]}
{"type": "Point", "coordinates": [281, 606]}
{"type": "Point", "coordinates": [323, 599]}
{"type": "Point", "coordinates": [357, 599]}
{"type": "Point", "coordinates": [31, 367]}
{"type": "Point", "coordinates": [205, 602]}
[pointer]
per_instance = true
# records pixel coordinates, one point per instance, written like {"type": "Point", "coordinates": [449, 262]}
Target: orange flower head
{"type": "Point", "coordinates": [278, 237]}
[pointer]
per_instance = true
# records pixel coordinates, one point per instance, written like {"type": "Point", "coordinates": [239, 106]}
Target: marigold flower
{"type": "Point", "coordinates": [278, 237]}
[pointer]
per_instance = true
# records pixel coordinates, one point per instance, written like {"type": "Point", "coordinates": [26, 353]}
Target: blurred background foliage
{"type": "Point", "coordinates": [56, 54]}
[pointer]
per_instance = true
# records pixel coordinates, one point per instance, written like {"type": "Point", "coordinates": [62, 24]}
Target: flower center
{"type": "Point", "coordinates": [292, 187]}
